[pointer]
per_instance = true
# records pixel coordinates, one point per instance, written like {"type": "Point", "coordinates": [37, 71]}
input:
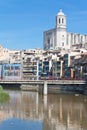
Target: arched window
{"type": "Point", "coordinates": [62, 20]}
{"type": "Point", "coordinates": [59, 20]}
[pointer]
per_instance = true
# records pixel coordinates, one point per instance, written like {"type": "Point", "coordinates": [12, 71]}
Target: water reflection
{"type": "Point", "coordinates": [54, 112]}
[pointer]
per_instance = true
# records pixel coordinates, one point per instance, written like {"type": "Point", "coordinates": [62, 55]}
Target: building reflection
{"type": "Point", "coordinates": [56, 112]}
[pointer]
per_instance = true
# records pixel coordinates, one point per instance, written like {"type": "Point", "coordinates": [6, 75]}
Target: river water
{"type": "Point", "coordinates": [31, 111]}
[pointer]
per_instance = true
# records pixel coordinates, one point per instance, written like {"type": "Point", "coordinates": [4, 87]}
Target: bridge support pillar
{"type": "Point", "coordinates": [45, 88]}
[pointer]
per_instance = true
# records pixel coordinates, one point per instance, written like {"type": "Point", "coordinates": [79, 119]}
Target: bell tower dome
{"type": "Point", "coordinates": [61, 21]}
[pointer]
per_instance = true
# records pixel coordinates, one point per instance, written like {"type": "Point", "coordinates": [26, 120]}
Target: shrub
{"type": "Point", "coordinates": [4, 97]}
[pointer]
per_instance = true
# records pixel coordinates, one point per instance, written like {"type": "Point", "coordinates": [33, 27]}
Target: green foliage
{"type": "Point", "coordinates": [1, 89]}
{"type": "Point", "coordinates": [4, 97]}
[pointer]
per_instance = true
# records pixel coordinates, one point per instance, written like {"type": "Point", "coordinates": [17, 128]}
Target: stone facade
{"type": "Point", "coordinates": [59, 38]}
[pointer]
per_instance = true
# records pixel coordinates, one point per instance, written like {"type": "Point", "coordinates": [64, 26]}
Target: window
{"type": "Point", "coordinates": [81, 39]}
{"type": "Point", "coordinates": [59, 20]}
{"type": "Point", "coordinates": [48, 41]}
{"type": "Point", "coordinates": [62, 20]}
{"type": "Point", "coordinates": [62, 43]}
{"type": "Point", "coordinates": [74, 39]}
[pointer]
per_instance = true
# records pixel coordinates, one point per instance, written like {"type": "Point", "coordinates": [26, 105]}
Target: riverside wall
{"type": "Point", "coordinates": [55, 89]}
{"type": "Point", "coordinates": [70, 89]}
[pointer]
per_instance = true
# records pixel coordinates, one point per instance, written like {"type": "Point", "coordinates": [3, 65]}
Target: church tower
{"type": "Point", "coordinates": [61, 34]}
{"type": "Point", "coordinates": [61, 21]}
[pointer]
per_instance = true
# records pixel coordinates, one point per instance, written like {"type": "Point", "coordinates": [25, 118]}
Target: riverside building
{"type": "Point", "coordinates": [58, 37]}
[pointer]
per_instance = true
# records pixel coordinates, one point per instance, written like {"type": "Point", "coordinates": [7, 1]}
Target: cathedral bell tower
{"type": "Point", "coordinates": [61, 34]}
{"type": "Point", "coordinates": [61, 21]}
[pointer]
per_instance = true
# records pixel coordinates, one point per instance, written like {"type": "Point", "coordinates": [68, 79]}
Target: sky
{"type": "Point", "coordinates": [22, 22]}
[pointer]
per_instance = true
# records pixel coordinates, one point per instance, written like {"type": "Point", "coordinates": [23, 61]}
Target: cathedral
{"type": "Point", "coordinates": [58, 37]}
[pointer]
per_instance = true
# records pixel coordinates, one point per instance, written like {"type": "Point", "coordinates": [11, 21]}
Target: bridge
{"type": "Point", "coordinates": [44, 83]}
{"type": "Point", "coordinates": [52, 82]}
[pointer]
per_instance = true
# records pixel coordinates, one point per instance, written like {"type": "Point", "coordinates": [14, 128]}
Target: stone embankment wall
{"type": "Point", "coordinates": [61, 88]}
{"type": "Point", "coordinates": [76, 89]}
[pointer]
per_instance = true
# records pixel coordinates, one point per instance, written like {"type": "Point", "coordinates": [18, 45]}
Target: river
{"type": "Point", "coordinates": [31, 111]}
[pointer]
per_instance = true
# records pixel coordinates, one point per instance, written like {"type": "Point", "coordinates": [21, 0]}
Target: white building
{"type": "Point", "coordinates": [4, 54]}
{"type": "Point", "coordinates": [59, 38]}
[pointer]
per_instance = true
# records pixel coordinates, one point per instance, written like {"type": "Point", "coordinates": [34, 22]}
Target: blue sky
{"type": "Point", "coordinates": [22, 22]}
